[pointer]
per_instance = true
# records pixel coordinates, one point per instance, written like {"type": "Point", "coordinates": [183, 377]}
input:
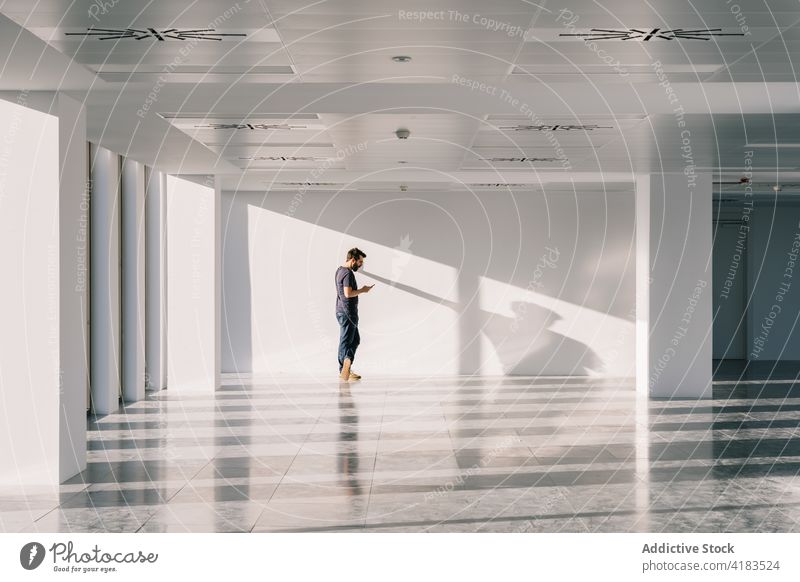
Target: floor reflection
{"type": "Point", "coordinates": [512, 454]}
{"type": "Point", "coordinates": [348, 454]}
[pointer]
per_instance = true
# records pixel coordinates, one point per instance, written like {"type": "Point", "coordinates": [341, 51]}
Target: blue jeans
{"type": "Point", "coordinates": [349, 337]}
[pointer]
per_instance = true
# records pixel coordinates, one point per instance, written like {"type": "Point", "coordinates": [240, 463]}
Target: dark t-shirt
{"type": "Point", "coordinates": [346, 278]}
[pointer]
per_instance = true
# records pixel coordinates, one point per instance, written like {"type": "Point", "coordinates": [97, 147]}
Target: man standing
{"type": "Point", "coordinates": [347, 311]}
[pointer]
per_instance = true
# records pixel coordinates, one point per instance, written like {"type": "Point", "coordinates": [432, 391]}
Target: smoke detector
{"type": "Point", "coordinates": [402, 133]}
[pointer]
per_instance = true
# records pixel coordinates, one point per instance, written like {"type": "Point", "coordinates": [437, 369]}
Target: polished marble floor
{"type": "Point", "coordinates": [460, 454]}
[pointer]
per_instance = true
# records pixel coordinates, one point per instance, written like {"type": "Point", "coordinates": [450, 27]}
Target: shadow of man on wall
{"type": "Point", "coordinates": [525, 343]}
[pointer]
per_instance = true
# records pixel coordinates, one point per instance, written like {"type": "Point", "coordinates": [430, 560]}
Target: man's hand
{"type": "Point", "coordinates": [366, 288]}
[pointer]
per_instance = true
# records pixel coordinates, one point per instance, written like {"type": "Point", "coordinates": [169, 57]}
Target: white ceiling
{"type": "Point", "coordinates": [273, 92]}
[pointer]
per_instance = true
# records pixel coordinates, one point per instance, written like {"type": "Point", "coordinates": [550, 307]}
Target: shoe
{"type": "Point", "coordinates": [345, 373]}
{"type": "Point", "coordinates": [354, 376]}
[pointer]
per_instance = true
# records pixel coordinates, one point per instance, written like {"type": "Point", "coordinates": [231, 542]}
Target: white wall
{"type": "Point", "coordinates": [465, 282]}
{"type": "Point", "coordinates": [29, 302]}
{"type": "Point", "coordinates": [775, 233]}
{"type": "Point", "coordinates": [191, 291]}
{"type": "Point", "coordinates": [752, 262]}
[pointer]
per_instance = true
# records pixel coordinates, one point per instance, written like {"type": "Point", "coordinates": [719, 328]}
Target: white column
{"type": "Point", "coordinates": [217, 282]}
{"type": "Point", "coordinates": [132, 220]}
{"type": "Point", "coordinates": [642, 202]}
{"type": "Point", "coordinates": [30, 339]}
{"type": "Point", "coordinates": [73, 224]}
{"type": "Point", "coordinates": [193, 288]}
{"type": "Point", "coordinates": [105, 281]}
{"type": "Point", "coordinates": [156, 281]}
{"type": "Point", "coordinates": [673, 283]}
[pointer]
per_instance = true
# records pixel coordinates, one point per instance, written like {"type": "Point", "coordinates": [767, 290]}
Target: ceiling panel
{"type": "Point", "coordinates": [70, 13]}
{"type": "Point", "coordinates": [436, 139]}
{"type": "Point", "coordinates": [140, 40]}
{"type": "Point", "coordinates": [261, 141]}
{"type": "Point", "coordinates": [555, 58]}
{"type": "Point", "coordinates": [356, 40]}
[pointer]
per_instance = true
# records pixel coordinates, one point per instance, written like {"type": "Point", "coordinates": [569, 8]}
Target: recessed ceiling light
{"type": "Point", "coordinates": [553, 127]}
{"type": "Point", "coordinates": [238, 116]}
{"type": "Point", "coordinates": [192, 34]}
{"type": "Point", "coordinates": [284, 158]}
{"type": "Point", "coordinates": [772, 145]}
{"type": "Point", "coordinates": [401, 59]}
{"type": "Point", "coordinates": [734, 168]}
{"type": "Point", "coordinates": [305, 183]}
{"type": "Point", "coordinates": [501, 185]}
{"type": "Point", "coordinates": [643, 69]}
{"type": "Point", "coordinates": [522, 159]}
{"type": "Point", "coordinates": [269, 146]}
{"type": "Point", "coordinates": [250, 126]}
{"type": "Point", "coordinates": [647, 34]}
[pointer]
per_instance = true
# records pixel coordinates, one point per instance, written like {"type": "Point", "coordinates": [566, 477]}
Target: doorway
{"type": "Point", "coordinates": [730, 290]}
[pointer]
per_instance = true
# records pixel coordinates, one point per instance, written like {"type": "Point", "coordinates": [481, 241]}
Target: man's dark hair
{"type": "Point", "coordinates": [356, 254]}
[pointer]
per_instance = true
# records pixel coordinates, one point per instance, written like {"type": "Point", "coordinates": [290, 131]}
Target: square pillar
{"type": "Point", "coordinates": [105, 281]}
{"type": "Point", "coordinates": [673, 284]}
{"type": "Point", "coordinates": [132, 225]}
{"type": "Point", "coordinates": [217, 282]}
{"type": "Point", "coordinates": [43, 350]}
{"type": "Point", "coordinates": [193, 291]}
{"type": "Point", "coordinates": [156, 281]}
{"type": "Point", "coordinates": [73, 224]}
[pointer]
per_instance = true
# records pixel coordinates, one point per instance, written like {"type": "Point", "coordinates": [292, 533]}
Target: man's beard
{"type": "Point", "coordinates": [355, 267]}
